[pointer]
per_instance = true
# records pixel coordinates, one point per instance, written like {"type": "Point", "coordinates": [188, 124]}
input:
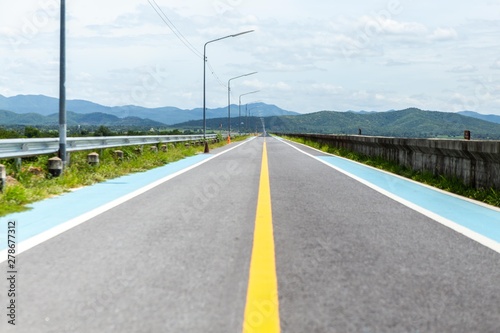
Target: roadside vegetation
{"type": "Point", "coordinates": [489, 196]}
{"type": "Point", "coordinates": [19, 131]}
{"type": "Point", "coordinates": [32, 181]}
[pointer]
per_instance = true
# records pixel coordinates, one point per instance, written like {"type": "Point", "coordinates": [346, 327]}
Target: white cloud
{"type": "Point", "coordinates": [496, 64]}
{"type": "Point", "coordinates": [373, 25]}
{"type": "Point", "coordinates": [270, 86]}
{"type": "Point", "coordinates": [392, 62]}
{"type": "Point", "coordinates": [310, 55]}
{"type": "Point", "coordinates": [444, 34]}
{"type": "Point", "coordinates": [463, 69]}
{"type": "Point", "coordinates": [326, 88]}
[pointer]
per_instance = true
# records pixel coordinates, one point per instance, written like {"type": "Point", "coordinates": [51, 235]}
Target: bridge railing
{"type": "Point", "coordinates": [475, 162]}
{"type": "Point", "coordinates": [18, 148]}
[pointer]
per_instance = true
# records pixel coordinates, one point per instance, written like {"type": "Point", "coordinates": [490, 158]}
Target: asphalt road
{"type": "Point", "coordinates": [177, 257]}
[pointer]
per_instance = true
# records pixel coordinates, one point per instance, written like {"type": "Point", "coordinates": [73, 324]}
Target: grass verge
{"type": "Point", "coordinates": [32, 182]}
{"type": "Point", "coordinates": [453, 185]}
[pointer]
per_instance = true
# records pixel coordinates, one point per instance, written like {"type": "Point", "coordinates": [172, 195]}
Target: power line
{"type": "Point", "coordinates": [174, 29]}
{"type": "Point", "coordinates": [215, 75]}
{"type": "Point", "coordinates": [181, 37]}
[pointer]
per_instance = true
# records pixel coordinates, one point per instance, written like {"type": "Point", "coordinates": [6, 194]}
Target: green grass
{"type": "Point", "coordinates": [453, 185]}
{"type": "Point", "coordinates": [30, 187]}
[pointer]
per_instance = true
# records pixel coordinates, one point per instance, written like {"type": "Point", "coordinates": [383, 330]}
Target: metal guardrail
{"type": "Point", "coordinates": [15, 148]}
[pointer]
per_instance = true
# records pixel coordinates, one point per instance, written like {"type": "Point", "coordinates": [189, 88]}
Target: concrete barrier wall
{"type": "Point", "coordinates": [477, 163]}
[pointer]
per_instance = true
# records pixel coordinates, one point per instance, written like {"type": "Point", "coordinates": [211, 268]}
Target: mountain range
{"type": "Point", "coordinates": [41, 110]}
{"type": "Point", "coordinates": [412, 122]}
{"type": "Point", "coordinates": [487, 117]}
{"type": "Point", "coordinates": [10, 118]}
{"type": "Point", "coordinates": [46, 106]}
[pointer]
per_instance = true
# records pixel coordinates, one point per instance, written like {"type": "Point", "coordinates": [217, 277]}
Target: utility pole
{"type": "Point", "coordinates": [62, 87]}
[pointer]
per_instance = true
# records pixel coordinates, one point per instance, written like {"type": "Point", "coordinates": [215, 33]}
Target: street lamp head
{"type": "Point", "coordinates": [252, 92]}
{"type": "Point", "coordinates": [237, 77]}
{"type": "Point", "coordinates": [242, 33]}
{"type": "Point", "coordinates": [228, 36]}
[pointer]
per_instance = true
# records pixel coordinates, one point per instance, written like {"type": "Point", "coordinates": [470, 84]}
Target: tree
{"type": "Point", "coordinates": [31, 132]}
{"type": "Point", "coordinates": [103, 131]}
{"type": "Point", "coordinates": [8, 134]}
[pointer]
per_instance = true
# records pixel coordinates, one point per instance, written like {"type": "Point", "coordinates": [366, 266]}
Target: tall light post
{"type": "Point", "coordinates": [204, 82]}
{"type": "Point", "coordinates": [250, 113]}
{"type": "Point", "coordinates": [239, 108]}
{"type": "Point", "coordinates": [62, 86]}
{"type": "Point", "coordinates": [229, 104]}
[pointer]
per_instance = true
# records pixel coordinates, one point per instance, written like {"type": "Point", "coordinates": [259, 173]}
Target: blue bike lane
{"type": "Point", "coordinates": [478, 221]}
{"type": "Point", "coordinates": [444, 207]}
{"type": "Point", "coordinates": [48, 218]}
{"type": "Point", "coordinates": [87, 202]}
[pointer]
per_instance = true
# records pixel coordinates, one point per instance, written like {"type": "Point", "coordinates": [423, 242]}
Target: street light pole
{"type": "Point", "coordinates": [239, 108]}
{"type": "Point", "coordinates": [250, 115]}
{"type": "Point", "coordinates": [229, 104]}
{"type": "Point", "coordinates": [204, 82]}
{"type": "Point", "coordinates": [62, 86]}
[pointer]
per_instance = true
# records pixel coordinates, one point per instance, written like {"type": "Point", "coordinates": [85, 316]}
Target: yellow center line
{"type": "Point", "coordinates": [262, 310]}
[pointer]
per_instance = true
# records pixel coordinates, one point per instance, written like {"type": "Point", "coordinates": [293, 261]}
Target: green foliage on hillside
{"type": "Point", "coordinates": [8, 134]}
{"type": "Point", "coordinates": [82, 131]}
{"type": "Point", "coordinates": [8, 118]}
{"type": "Point", "coordinates": [406, 123]}
{"type": "Point", "coordinates": [410, 123]}
{"type": "Point", "coordinates": [413, 123]}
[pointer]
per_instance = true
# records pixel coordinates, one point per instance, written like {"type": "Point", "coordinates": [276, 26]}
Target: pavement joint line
{"type": "Point", "coordinates": [262, 308]}
{"type": "Point", "coordinates": [488, 242]}
{"type": "Point", "coordinates": [65, 226]}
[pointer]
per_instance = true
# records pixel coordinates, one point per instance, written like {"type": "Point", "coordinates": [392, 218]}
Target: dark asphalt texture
{"type": "Point", "coordinates": [352, 260]}
{"type": "Point", "coordinates": [176, 259]}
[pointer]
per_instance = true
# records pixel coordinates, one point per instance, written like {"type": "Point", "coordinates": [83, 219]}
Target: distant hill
{"type": "Point", "coordinates": [487, 117]}
{"type": "Point", "coordinates": [42, 110]}
{"type": "Point", "coordinates": [92, 119]}
{"type": "Point", "coordinates": [10, 118]}
{"type": "Point", "coordinates": [411, 123]}
{"type": "Point", "coordinates": [404, 123]}
{"type": "Point", "coordinates": [44, 105]}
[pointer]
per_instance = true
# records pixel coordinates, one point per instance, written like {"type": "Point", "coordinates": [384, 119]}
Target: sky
{"type": "Point", "coordinates": [314, 55]}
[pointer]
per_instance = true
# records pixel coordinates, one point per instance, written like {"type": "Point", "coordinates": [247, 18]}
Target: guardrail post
{"type": "Point", "coordinates": [118, 154]}
{"type": "Point", "coordinates": [55, 166]}
{"type": "Point", "coordinates": [3, 178]}
{"type": "Point", "coordinates": [93, 158]}
{"type": "Point", "coordinates": [18, 162]}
